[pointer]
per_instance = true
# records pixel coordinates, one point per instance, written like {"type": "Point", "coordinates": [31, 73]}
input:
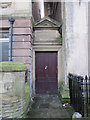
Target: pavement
{"type": "Point", "coordinates": [47, 106]}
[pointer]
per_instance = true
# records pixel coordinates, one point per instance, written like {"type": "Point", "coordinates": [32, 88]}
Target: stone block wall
{"type": "Point", "coordinates": [12, 94]}
{"type": "Point", "coordinates": [22, 36]}
{"type": "Point", "coordinates": [15, 8]}
{"type": "Point", "coordinates": [22, 32]}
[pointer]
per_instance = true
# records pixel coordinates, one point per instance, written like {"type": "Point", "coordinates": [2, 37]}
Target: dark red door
{"type": "Point", "coordinates": [46, 72]}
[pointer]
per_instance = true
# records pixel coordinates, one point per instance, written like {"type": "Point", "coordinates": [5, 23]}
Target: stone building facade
{"type": "Point", "coordinates": [23, 45]}
{"type": "Point", "coordinates": [22, 30]}
{"type": "Point", "coordinates": [75, 38]}
{"type": "Point", "coordinates": [73, 53]}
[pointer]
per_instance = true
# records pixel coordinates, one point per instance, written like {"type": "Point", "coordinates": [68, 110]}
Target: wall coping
{"type": "Point", "coordinates": [12, 67]}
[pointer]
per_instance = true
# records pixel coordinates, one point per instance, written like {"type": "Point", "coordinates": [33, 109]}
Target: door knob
{"type": "Point", "coordinates": [46, 67]}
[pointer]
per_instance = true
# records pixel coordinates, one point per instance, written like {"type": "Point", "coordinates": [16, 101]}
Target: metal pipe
{"type": "Point", "coordinates": [11, 20]}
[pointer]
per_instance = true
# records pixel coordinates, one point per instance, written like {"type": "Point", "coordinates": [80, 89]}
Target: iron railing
{"type": "Point", "coordinates": [79, 88]}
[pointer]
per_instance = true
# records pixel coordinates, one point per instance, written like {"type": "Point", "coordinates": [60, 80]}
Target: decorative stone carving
{"type": "Point", "coordinates": [5, 4]}
{"type": "Point", "coordinates": [46, 32]}
{"type": "Point", "coordinates": [47, 22]}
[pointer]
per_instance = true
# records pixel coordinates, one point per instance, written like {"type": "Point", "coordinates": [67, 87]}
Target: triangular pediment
{"type": "Point", "coordinates": [47, 22]}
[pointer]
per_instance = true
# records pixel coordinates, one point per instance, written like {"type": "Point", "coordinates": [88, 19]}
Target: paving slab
{"type": "Point", "coordinates": [47, 106]}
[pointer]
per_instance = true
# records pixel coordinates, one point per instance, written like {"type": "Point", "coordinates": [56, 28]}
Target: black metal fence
{"type": "Point", "coordinates": [79, 88]}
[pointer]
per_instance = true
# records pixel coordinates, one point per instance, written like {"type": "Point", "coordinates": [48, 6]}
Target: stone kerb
{"type": "Point", "coordinates": [12, 89]}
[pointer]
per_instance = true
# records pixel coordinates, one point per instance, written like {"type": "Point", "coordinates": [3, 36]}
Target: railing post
{"type": "Point", "coordinates": [86, 95]}
{"type": "Point", "coordinates": [82, 99]}
{"type": "Point", "coordinates": [80, 94]}
{"type": "Point", "coordinates": [70, 88]}
{"type": "Point", "coordinates": [73, 92]}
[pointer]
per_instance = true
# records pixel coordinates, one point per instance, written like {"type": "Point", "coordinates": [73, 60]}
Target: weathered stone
{"type": "Point", "coordinates": [47, 106]}
{"type": "Point", "coordinates": [22, 31]}
{"type": "Point", "coordinates": [75, 39]}
{"type": "Point", "coordinates": [44, 35]}
{"type": "Point", "coordinates": [12, 94]}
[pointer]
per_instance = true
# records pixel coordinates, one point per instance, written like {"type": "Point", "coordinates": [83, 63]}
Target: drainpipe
{"type": "Point", "coordinates": [31, 77]}
{"type": "Point", "coordinates": [11, 20]}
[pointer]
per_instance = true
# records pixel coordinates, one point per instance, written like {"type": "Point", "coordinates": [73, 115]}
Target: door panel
{"type": "Point", "coordinates": [46, 72]}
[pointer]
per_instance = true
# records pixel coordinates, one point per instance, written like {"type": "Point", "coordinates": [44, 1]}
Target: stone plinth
{"type": "Point", "coordinates": [12, 89]}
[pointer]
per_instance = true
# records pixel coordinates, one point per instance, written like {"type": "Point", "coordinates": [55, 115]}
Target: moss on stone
{"type": "Point", "coordinates": [63, 90]}
{"type": "Point", "coordinates": [60, 40]}
{"type": "Point", "coordinates": [12, 66]}
{"type": "Point", "coordinates": [64, 97]}
{"type": "Point", "coordinates": [27, 95]}
{"type": "Point", "coordinates": [27, 87]}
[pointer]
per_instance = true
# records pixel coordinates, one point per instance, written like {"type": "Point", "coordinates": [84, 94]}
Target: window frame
{"type": "Point", "coordinates": [6, 40]}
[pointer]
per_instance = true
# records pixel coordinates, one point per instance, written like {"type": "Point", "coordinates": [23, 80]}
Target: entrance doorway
{"type": "Point", "coordinates": [46, 72]}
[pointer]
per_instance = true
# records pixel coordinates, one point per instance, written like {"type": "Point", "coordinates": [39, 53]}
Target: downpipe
{"type": "Point", "coordinates": [11, 20]}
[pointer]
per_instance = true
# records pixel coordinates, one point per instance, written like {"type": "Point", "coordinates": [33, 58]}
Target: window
{"type": "Point", "coordinates": [4, 45]}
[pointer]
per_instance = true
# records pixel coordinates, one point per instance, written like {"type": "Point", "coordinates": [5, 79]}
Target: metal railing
{"type": "Point", "coordinates": [79, 88]}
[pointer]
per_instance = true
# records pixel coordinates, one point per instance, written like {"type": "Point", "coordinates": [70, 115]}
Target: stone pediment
{"type": "Point", "coordinates": [47, 22]}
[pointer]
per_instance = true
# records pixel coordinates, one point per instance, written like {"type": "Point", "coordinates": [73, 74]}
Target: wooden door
{"type": "Point", "coordinates": [46, 72]}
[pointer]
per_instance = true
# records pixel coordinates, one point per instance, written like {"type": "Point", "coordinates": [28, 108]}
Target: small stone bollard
{"type": "Point", "coordinates": [12, 89]}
